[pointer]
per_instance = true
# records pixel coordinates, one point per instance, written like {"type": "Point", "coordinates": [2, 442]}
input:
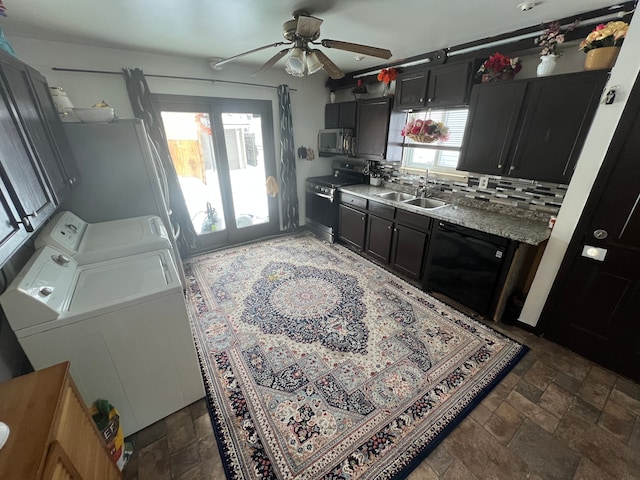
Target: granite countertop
{"type": "Point", "coordinates": [523, 230]}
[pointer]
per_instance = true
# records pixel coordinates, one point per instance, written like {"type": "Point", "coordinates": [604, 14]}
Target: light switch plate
{"type": "Point", "coordinates": [484, 182]}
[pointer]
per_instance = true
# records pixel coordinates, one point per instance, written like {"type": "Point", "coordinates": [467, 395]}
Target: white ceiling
{"type": "Point", "coordinates": [223, 28]}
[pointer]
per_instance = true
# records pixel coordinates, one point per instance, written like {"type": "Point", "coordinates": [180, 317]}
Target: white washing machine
{"type": "Point", "coordinates": [95, 242]}
{"type": "Point", "coordinates": [122, 324]}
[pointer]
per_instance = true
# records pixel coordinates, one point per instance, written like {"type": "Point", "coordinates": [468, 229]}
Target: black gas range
{"type": "Point", "coordinates": [321, 204]}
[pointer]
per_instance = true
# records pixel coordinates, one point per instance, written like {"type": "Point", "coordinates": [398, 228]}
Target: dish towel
{"type": "Point", "coordinates": [272, 186]}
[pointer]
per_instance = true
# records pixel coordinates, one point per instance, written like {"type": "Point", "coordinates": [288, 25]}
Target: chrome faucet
{"type": "Point", "coordinates": [423, 190]}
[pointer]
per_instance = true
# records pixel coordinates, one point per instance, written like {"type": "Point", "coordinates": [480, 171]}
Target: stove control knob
{"type": "Point", "coordinates": [45, 291]}
{"type": "Point", "coordinates": [61, 259]}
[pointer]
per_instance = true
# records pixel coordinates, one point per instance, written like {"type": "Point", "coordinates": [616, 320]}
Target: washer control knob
{"type": "Point", "coordinates": [72, 227]}
{"type": "Point", "coordinates": [61, 259]}
{"type": "Point", "coordinates": [46, 291]}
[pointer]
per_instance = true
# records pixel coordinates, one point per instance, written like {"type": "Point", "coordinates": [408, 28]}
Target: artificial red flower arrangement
{"type": "Point", "coordinates": [387, 75]}
{"type": "Point", "coordinates": [498, 64]}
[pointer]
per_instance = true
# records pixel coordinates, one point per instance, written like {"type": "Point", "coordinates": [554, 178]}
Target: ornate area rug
{"type": "Point", "coordinates": [320, 364]}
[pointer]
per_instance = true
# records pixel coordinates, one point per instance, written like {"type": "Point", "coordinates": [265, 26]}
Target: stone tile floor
{"type": "Point", "coordinates": [555, 416]}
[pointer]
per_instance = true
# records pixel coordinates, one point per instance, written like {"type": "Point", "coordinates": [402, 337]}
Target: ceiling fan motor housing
{"type": "Point", "coordinates": [289, 31]}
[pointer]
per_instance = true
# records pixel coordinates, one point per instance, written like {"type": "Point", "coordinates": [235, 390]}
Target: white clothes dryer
{"type": "Point", "coordinates": [122, 323]}
{"type": "Point", "coordinates": [95, 242]}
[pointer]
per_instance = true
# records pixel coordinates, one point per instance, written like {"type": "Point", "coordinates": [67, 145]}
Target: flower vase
{"type": "Point", "coordinates": [497, 77]}
{"type": "Point", "coordinates": [386, 89]}
{"type": "Point", "coordinates": [601, 58]}
{"type": "Point", "coordinates": [547, 65]}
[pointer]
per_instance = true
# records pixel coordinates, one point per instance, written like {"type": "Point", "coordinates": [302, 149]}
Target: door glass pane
{"type": "Point", "coordinates": [245, 155]}
{"type": "Point", "coordinates": [191, 146]}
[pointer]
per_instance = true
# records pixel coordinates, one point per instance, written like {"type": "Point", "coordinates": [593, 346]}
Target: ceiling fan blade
{"type": "Point", "coordinates": [226, 60]}
{"type": "Point", "coordinates": [329, 67]}
{"type": "Point", "coordinates": [271, 62]}
{"type": "Point", "coordinates": [357, 48]}
{"type": "Point", "coordinates": [308, 26]}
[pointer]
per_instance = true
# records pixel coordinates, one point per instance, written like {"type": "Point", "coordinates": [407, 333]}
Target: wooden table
{"type": "Point", "coordinates": [52, 433]}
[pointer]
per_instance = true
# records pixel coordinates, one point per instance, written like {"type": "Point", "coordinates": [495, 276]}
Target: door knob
{"type": "Point", "coordinates": [600, 234]}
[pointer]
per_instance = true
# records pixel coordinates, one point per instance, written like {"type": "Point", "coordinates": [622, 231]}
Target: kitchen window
{"type": "Point", "coordinates": [438, 155]}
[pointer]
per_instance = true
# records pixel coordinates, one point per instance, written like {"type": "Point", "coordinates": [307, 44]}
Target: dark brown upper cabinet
{"type": "Point", "coordinates": [340, 115]}
{"type": "Point", "coordinates": [373, 128]}
{"type": "Point", "coordinates": [438, 87]}
{"type": "Point", "coordinates": [41, 123]}
{"type": "Point", "coordinates": [33, 171]}
{"type": "Point", "coordinates": [411, 90]}
{"type": "Point", "coordinates": [531, 129]}
{"type": "Point", "coordinates": [27, 200]}
{"type": "Point", "coordinates": [493, 115]}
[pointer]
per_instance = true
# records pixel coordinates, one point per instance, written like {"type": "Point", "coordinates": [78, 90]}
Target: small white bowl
{"type": "Point", "coordinates": [94, 114]}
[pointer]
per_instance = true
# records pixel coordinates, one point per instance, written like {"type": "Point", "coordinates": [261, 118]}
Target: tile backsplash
{"type": "Point", "coordinates": [530, 195]}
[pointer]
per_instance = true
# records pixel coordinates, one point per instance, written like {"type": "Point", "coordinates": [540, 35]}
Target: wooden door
{"type": "Point", "coordinates": [449, 85]}
{"type": "Point", "coordinates": [353, 224]}
{"type": "Point", "coordinates": [494, 110]}
{"type": "Point", "coordinates": [594, 306]}
{"type": "Point", "coordinates": [410, 246]}
{"type": "Point", "coordinates": [348, 112]}
{"type": "Point", "coordinates": [379, 238]}
{"type": "Point", "coordinates": [67, 165]}
{"type": "Point", "coordinates": [35, 127]}
{"type": "Point", "coordinates": [549, 142]}
{"type": "Point", "coordinates": [373, 128]}
{"type": "Point", "coordinates": [22, 177]}
{"type": "Point", "coordinates": [411, 90]}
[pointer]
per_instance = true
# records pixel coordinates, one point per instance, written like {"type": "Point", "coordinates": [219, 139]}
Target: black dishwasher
{"type": "Point", "coordinates": [467, 265]}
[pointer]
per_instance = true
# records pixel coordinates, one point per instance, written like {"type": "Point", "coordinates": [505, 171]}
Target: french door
{"type": "Point", "coordinates": [223, 151]}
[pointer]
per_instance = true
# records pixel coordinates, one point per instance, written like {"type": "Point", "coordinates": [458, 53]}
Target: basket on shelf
{"type": "Point", "coordinates": [422, 138]}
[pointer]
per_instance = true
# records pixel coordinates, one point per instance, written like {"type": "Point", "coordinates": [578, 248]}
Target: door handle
{"type": "Point", "coordinates": [600, 234]}
{"type": "Point", "coordinates": [596, 253]}
{"type": "Point", "coordinates": [26, 222]}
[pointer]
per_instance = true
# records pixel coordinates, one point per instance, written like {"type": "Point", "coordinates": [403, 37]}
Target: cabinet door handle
{"type": "Point", "coordinates": [26, 222]}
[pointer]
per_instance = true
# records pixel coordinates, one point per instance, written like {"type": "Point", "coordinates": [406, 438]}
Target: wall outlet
{"type": "Point", "coordinates": [484, 182]}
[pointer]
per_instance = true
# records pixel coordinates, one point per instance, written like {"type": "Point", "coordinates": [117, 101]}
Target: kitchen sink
{"type": "Point", "coordinates": [426, 203]}
{"type": "Point", "coordinates": [398, 196]}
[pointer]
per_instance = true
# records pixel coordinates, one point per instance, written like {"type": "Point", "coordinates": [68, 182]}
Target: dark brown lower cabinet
{"type": "Point", "coordinates": [393, 237]}
{"type": "Point", "coordinates": [379, 235]}
{"type": "Point", "coordinates": [353, 224]}
{"type": "Point", "coordinates": [409, 249]}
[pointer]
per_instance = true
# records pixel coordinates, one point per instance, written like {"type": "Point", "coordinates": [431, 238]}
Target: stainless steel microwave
{"type": "Point", "coordinates": [336, 141]}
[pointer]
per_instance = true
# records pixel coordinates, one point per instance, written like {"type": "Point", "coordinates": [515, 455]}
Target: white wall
{"type": "Point", "coordinates": [86, 89]}
{"type": "Point", "coordinates": [604, 124]}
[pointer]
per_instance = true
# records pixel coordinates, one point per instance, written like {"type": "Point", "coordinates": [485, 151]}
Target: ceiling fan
{"type": "Point", "coordinates": [301, 34]}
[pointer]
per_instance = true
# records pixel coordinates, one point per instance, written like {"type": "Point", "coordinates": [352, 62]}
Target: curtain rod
{"type": "Point", "coordinates": [174, 77]}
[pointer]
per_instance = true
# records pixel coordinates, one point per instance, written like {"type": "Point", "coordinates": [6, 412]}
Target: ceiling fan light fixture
{"type": "Point", "coordinates": [313, 62]}
{"type": "Point", "coordinates": [295, 62]}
